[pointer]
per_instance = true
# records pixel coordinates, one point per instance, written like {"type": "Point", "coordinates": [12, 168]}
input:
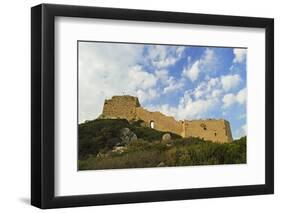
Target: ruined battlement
{"type": "Point", "coordinates": [128, 107]}
{"type": "Point", "coordinates": [121, 107]}
{"type": "Point", "coordinates": [210, 129]}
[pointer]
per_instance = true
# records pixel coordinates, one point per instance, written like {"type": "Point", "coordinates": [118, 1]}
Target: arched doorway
{"type": "Point", "coordinates": [152, 124]}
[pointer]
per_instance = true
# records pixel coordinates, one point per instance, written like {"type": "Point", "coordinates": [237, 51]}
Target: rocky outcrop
{"type": "Point", "coordinates": [161, 164]}
{"type": "Point", "coordinates": [127, 136]}
{"type": "Point", "coordinates": [166, 137]}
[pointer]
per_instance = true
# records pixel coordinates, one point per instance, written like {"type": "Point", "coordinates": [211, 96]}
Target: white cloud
{"type": "Point", "coordinates": [140, 79]}
{"type": "Point", "coordinates": [208, 57]}
{"type": "Point", "coordinates": [142, 84]}
{"type": "Point", "coordinates": [216, 93]}
{"type": "Point", "coordinates": [211, 88]}
{"type": "Point", "coordinates": [104, 73]}
{"type": "Point", "coordinates": [206, 97]}
{"type": "Point", "coordinates": [239, 55]}
{"type": "Point", "coordinates": [193, 72]}
{"type": "Point", "coordinates": [206, 63]}
{"type": "Point", "coordinates": [169, 82]}
{"type": "Point", "coordinates": [161, 56]}
{"type": "Point", "coordinates": [230, 81]}
{"type": "Point", "coordinates": [190, 108]}
{"type": "Point", "coordinates": [242, 96]}
{"type": "Point", "coordinates": [165, 109]}
{"type": "Point", "coordinates": [172, 85]}
{"type": "Point", "coordinates": [198, 93]}
{"type": "Point", "coordinates": [144, 95]}
{"type": "Point", "coordinates": [211, 93]}
{"type": "Point", "coordinates": [194, 110]}
{"type": "Point", "coordinates": [230, 98]}
{"type": "Point", "coordinates": [179, 50]}
{"type": "Point", "coordinates": [195, 104]}
{"type": "Point", "coordinates": [162, 75]}
{"type": "Point", "coordinates": [213, 82]}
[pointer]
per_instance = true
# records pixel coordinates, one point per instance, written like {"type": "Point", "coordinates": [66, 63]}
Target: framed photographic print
{"type": "Point", "coordinates": [139, 106]}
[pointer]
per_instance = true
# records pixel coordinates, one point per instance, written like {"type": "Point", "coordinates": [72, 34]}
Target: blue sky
{"type": "Point", "coordinates": [187, 82]}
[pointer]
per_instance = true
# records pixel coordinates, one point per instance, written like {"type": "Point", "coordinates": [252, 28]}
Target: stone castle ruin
{"type": "Point", "coordinates": [128, 107]}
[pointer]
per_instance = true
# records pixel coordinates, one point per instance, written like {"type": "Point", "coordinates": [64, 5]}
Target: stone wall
{"type": "Point", "coordinates": [128, 107]}
{"type": "Point", "coordinates": [121, 107]}
{"type": "Point", "coordinates": [213, 130]}
{"type": "Point", "coordinates": [161, 122]}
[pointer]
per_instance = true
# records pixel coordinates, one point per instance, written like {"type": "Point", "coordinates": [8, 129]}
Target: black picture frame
{"type": "Point", "coordinates": [43, 102]}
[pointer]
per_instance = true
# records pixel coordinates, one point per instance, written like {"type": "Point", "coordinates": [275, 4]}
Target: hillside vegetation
{"type": "Point", "coordinates": [100, 147]}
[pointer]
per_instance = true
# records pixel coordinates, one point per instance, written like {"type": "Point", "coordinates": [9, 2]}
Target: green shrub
{"type": "Point", "coordinates": [101, 136]}
{"type": "Point", "coordinates": [104, 134]}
